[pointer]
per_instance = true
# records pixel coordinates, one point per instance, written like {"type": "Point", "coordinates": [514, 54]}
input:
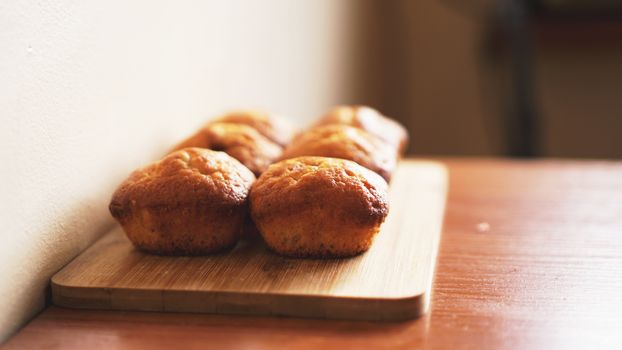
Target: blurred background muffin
{"type": "Point", "coordinates": [369, 120]}
{"type": "Point", "coordinates": [240, 141]}
{"type": "Point", "coordinates": [345, 142]}
{"type": "Point", "coordinates": [276, 129]}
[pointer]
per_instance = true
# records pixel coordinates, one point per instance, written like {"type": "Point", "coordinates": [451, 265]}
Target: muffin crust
{"type": "Point", "coordinates": [192, 202]}
{"type": "Point", "coordinates": [319, 207]}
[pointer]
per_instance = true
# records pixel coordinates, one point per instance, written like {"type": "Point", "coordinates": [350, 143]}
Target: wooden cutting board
{"type": "Point", "coordinates": [391, 281]}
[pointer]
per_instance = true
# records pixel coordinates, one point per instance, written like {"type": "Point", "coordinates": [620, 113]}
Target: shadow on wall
{"type": "Point", "coordinates": [67, 235]}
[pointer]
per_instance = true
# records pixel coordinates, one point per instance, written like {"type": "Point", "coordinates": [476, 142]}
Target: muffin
{"type": "Point", "coordinates": [346, 142]}
{"type": "Point", "coordinates": [272, 127]}
{"type": "Point", "coordinates": [192, 202]}
{"type": "Point", "coordinates": [242, 142]}
{"type": "Point", "coordinates": [370, 120]}
{"type": "Point", "coordinates": [317, 207]}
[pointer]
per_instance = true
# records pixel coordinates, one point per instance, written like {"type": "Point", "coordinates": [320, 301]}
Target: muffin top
{"type": "Point", "coordinates": [191, 176]}
{"type": "Point", "coordinates": [274, 128]}
{"type": "Point", "coordinates": [370, 120]}
{"type": "Point", "coordinates": [240, 141]}
{"type": "Point", "coordinates": [346, 142]}
{"type": "Point", "coordinates": [321, 183]}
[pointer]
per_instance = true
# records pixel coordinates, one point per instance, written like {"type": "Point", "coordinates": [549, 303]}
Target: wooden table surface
{"type": "Point", "coordinates": [531, 257]}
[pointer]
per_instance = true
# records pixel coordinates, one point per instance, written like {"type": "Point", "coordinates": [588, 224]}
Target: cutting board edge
{"type": "Point", "coordinates": [238, 303]}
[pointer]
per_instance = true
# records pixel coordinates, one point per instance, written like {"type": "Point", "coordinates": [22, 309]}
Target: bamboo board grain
{"type": "Point", "coordinates": [392, 281]}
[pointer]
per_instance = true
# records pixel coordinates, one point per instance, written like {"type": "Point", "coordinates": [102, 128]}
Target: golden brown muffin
{"type": "Point", "coordinates": [370, 120]}
{"type": "Point", "coordinates": [192, 202]}
{"type": "Point", "coordinates": [274, 128]}
{"type": "Point", "coordinates": [319, 207]}
{"type": "Point", "coordinates": [239, 141]}
{"type": "Point", "coordinates": [346, 142]}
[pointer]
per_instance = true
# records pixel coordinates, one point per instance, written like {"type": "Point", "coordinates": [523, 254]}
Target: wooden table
{"type": "Point", "coordinates": [531, 257]}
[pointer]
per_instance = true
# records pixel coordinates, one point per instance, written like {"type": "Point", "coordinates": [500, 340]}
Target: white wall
{"type": "Point", "coordinates": [91, 89]}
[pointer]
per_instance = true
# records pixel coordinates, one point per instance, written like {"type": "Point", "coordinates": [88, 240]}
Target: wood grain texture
{"type": "Point", "coordinates": [389, 282]}
{"type": "Point", "coordinates": [545, 273]}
